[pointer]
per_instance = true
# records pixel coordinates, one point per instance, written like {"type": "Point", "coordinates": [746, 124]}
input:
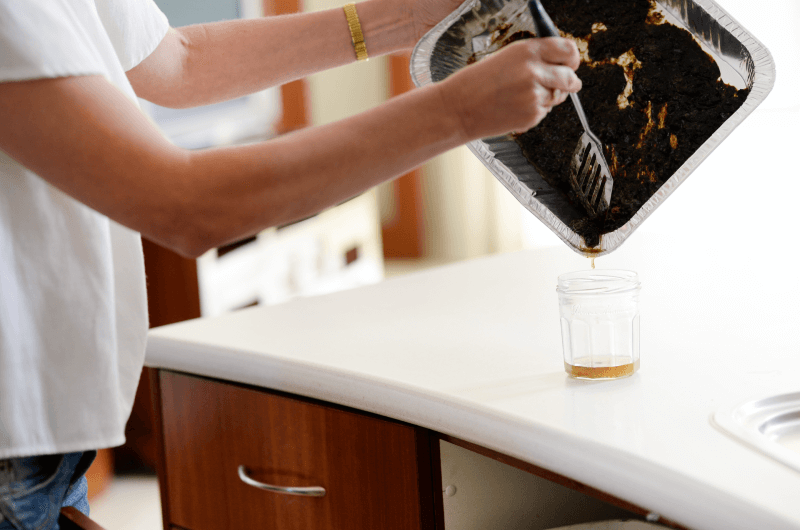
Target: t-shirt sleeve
{"type": "Point", "coordinates": [135, 27]}
{"type": "Point", "coordinates": [47, 38]}
{"type": "Point", "coordinates": [59, 38]}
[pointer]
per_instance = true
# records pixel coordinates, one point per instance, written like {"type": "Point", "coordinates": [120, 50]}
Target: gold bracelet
{"type": "Point", "coordinates": [355, 32]}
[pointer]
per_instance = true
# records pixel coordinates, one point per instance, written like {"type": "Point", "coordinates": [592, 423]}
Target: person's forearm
{"type": "Point", "coordinates": [295, 176]}
{"type": "Point", "coordinates": [104, 152]}
{"type": "Point", "coordinates": [85, 137]}
{"type": "Point", "coordinates": [202, 64]}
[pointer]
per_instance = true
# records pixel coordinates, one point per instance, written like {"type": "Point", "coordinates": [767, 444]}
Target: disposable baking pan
{"type": "Point", "coordinates": [478, 27]}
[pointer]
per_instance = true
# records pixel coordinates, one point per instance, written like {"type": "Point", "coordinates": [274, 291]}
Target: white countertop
{"type": "Point", "coordinates": [473, 350]}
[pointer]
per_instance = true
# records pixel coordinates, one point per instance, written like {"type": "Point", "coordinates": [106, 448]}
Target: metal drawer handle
{"type": "Point", "coordinates": [313, 491]}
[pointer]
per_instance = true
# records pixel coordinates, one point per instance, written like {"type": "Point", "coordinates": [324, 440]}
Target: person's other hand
{"type": "Point", "coordinates": [514, 88]}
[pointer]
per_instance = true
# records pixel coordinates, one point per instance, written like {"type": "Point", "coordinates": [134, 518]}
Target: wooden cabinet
{"type": "Point", "coordinates": [377, 473]}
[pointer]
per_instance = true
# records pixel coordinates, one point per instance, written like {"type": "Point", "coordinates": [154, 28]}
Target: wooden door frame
{"type": "Point", "coordinates": [404, 235]}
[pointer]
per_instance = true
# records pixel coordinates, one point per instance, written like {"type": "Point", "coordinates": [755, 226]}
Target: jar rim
{"type": "Point", "coordinates": [598, 281]}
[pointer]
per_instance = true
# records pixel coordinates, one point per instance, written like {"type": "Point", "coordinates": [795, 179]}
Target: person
{"type": "Point", "coordinates": [84, 173]}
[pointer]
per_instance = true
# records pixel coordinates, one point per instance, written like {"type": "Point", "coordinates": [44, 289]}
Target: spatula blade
{"type": "Point", "coordinates": [590, 176]}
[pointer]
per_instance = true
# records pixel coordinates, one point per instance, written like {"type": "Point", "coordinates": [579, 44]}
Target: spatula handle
{"type": "Point", "coordinates": [542, 21]}
{"type": "Point", "coordinates": [545, 28]}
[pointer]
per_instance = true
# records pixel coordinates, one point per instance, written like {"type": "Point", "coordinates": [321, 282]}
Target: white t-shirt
{"type": "Point", "coordinates": [73, 311]}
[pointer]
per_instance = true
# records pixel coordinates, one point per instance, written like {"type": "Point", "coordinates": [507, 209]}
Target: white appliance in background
{"type": "Point", "coordinates": [242, 120]}
{"type": "Point", "coordinates": [336, 250]}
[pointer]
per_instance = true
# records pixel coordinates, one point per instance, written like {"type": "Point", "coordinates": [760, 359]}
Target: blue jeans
{"type": "Point", "coordinates": [34, 489]}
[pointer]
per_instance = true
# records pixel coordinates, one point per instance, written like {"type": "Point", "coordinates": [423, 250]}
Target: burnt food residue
{"type": "Point", "coordinates": [650, 92]}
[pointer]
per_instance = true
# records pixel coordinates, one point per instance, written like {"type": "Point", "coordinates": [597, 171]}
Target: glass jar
{"type": "Point", "coordinates": [600, 323]}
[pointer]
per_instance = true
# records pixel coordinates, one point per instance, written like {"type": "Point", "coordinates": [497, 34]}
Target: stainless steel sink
{"type": "Point", "coordinates": [770, 425]}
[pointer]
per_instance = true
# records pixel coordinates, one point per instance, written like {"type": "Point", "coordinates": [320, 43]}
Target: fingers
{"type": "Point", "coordinates": [549, 84]}
{"type": "Point", "coordinates": [542, 98]}
{"type": "Point", "coordinates": [546, 57]}
{"type": "Point", "coordinates": [556, 77]}
{"type": "Point", "coordinates": [515, 88]}
{"type": "Point", "coordinates": [547, 98]}
{"type": "Point", "coordinates": [559, 97]}
{"type": "Point", "coordinates": [557, 50]}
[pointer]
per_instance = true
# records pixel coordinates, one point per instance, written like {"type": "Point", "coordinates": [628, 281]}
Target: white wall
{"type": "Point", "coordinates": [468, 213]}
{"type": "Point", "coordinates": [733, 180]}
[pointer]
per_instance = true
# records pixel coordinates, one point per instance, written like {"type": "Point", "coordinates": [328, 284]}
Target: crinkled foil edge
{"type": "Point", "coordinates": [708, 22]}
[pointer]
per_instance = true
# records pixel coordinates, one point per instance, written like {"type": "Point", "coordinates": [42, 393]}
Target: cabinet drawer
{"type": "Point", "coordinates": [376, 472]}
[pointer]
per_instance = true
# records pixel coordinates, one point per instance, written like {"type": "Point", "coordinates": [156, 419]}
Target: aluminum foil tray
{"type": "Point", "coordinates": [474, 28]}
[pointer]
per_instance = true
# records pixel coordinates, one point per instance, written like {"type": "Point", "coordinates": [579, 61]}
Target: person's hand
{"type": "Point", "coordinates": [513, 89]}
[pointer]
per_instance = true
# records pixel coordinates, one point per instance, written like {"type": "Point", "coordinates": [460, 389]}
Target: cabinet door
{"type": "Point", "coordinates": [376, 472]}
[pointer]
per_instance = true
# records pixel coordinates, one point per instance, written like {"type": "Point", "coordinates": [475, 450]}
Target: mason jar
{"type": "Point", "coordinates": [600, 323]}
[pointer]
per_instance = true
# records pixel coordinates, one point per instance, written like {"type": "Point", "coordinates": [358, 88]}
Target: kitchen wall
{"type": "Point", "coordinates": [720, 189]}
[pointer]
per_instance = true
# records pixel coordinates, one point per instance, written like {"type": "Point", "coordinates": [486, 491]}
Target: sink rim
{"type": "Point", "coordinates": [760, 423]}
